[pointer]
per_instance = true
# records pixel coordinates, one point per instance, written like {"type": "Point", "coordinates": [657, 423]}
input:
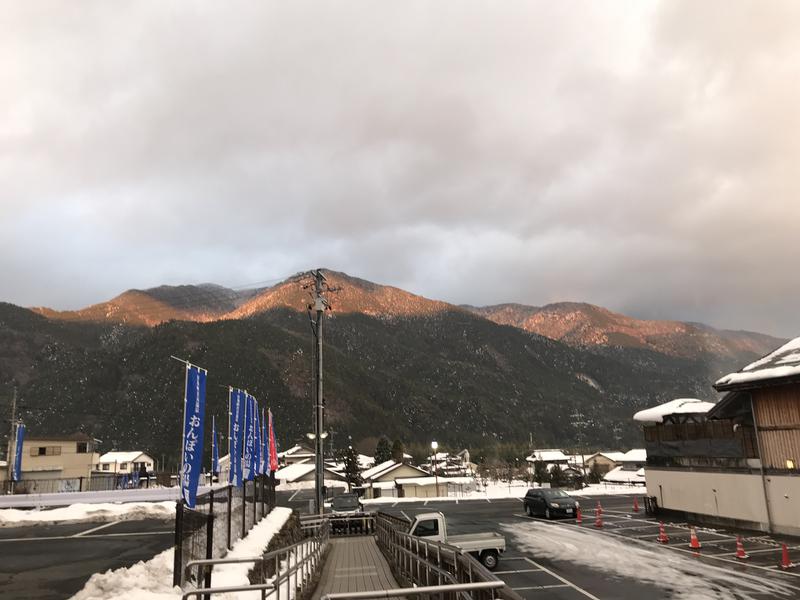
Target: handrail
{"type": "Point", "coordinates": [416, 591]}
{"type": "Point", "coordinates": [262, 587]}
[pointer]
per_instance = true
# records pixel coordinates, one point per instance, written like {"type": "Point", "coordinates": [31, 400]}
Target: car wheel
{"type": "Point", "coordinates": [547, 513]}
{"type": "Point", "coordinates": [529, 510]}
{"type": "Point", "coordinates": [489, 559]}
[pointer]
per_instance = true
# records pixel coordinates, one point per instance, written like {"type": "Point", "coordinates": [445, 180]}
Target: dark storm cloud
{"type": "Point", "coordinates": [635, 155]}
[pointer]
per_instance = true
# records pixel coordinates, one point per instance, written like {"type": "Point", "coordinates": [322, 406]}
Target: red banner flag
{"type": "Point", "coordinates": [273, 452]}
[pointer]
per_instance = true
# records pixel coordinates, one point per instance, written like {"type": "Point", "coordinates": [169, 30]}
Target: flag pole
{"type": "Point", "coordinates": [183, 424]}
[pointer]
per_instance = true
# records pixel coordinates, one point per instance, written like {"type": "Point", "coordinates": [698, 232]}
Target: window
{"type": "Point", "coordinates": [46, 451]}
{"type": "Point", "coordinates": [427, 528]}
{"type": "Point", "coordinates": [123, 466]}
{"type": "Point", "coordinates": [106, 466]}
{"type": "Point", "coordinates": [83, 447]}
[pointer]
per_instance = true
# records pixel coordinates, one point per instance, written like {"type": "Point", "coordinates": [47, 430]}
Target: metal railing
{"type": "Point", "coordinates": [281, 571]}
{"type": "Point", "coordinates": [418, 591]}
{"type": "Point", "coordinates": [341, 525]}
{"type": "Point", "coordinates": [220, 517]}
{"type": "Point", "coordinates": [416, 561]}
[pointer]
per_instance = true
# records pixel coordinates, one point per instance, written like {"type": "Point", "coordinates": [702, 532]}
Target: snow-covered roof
{"type": "Point", "coordinates": [121, 457]}
{"type": "Point", "coordinates": [371, 472]}
{"type": "Point", "coordinates": [781, 363]}
{"type": "Point", "coordinates": [614, 455]}
{"type": "Point", "coordinates": [295, 450]}
{"type": "Point", "coordinates": [294, 472]}
{"type": "Point", "coordinates": [365, 462]}
{"type": "Point", "coordinates": [681, 406]}
{"type": "Point", "coordinates": [383, 485]}
{"type": "Point", "coordinates": [638, 455]}
{"type": "Point", "coordinates": [549, 455]}
{"type": "Point", "coordinates": [619, 475]}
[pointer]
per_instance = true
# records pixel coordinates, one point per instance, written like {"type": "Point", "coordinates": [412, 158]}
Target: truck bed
{"type": "Point", "coordinates": [475, 542]}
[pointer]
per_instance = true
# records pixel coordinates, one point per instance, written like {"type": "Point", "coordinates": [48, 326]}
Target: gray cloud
{"type": "Point", "coordinates": [636, 155]}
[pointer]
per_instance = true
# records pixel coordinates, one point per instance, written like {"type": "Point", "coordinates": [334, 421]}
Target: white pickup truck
{"type": "Point", "coordinates": [486, 547]}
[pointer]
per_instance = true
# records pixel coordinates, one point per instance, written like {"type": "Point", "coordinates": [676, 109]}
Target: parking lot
{"type": "Point", "coordinates": [565, 560]}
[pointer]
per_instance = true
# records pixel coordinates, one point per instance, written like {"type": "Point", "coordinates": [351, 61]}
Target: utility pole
{"type": "Point", "coordinates": [12, 435]}
{"type": "Point", "coordinates": [319, 305]}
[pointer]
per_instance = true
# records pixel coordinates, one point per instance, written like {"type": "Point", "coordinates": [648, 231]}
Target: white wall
{"type": "Point", "coordinates": [737, 496]}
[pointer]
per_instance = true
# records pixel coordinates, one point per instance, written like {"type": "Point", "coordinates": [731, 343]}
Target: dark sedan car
{"type": "Point", "coordinates": [549, 503]}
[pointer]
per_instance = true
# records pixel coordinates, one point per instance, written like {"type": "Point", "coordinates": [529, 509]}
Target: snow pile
{"type": "Point", "coordinates": [151, 580]}
{"type": "Point", "coordinates": [673, 407]}
{"type": "Point", "coordinates": [252, 545]}
{"type": "Point", "coordinates": [89, 513]}
{"type": "Point", "coordinates": [783, 362]}
{"type": "Point", "coordinates": [682, 575]}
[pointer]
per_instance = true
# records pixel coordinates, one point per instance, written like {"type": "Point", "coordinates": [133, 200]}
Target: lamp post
{"type": "Point", "coordinates": [320, 470]}
{"type": "Point", "coordinates": [434, 446]}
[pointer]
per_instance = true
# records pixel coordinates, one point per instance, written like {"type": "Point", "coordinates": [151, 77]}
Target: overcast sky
{"type": "Point", "coordinates": [638, 155]}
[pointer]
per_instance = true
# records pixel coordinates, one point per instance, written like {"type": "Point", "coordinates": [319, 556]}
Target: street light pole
{"type": "Point", "coordinates": [434, 446]}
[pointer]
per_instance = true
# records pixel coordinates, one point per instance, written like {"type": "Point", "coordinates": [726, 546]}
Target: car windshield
{"type": "Point", "coordinates": [346, 502]}
{"type": "Point", "coordinates": [555, 493]}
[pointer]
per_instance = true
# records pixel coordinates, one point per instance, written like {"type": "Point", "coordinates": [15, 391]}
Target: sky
{"type": "Point", "coordinates": [637, 155]}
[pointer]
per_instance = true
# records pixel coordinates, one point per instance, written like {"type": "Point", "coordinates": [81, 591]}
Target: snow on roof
{"type": "Point", "coordinates": [294, 472]}
{"type": "Point", "coordinates": [783, 362]}
{"type": "Point", "coordinates": [298, 450]}
{"type": "Point", "coordinates": [619, 475]}
{"type": "Point", "coordinates": [673, 407]}
{"type": "Point", "coordinates": [432, 480]}
{"type": "Point", "coordinates": [369, 473]}
{"type": "Point", "coordinates": [614, 455]}
{"type": "Point", "coordinates": [550, 455]}
{"type": "Point", "coordinates": [120, 457]}
{"type": "Point", "coordinates": [365, 462]}
{"type": "Point", "coordinates": [635, 455]}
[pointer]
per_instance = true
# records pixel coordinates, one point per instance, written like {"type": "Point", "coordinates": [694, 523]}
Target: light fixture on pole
{"type": "Point", "coordinates": [434, 447]}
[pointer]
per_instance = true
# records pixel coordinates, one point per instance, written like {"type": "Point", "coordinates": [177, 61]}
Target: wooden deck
{"type": "Point", "coordinates": [354, 565]}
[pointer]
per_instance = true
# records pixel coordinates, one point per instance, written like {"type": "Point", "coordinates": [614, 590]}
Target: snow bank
{"type": "Point", "coordinates": [682, 575]}
{"type": "Point", "coordinates": [152, 580]}
{"type": "Point", "coordinates": [89, 513]}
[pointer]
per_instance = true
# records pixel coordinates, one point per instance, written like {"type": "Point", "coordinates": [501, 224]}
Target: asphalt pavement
{"type": "Point", "coordinates": [53, 562]}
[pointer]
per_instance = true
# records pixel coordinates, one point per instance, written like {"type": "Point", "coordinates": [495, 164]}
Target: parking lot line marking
{"type": "Point", "coordinates": [293, 495]}
{"type": "Point", "coordinates": [775, 549]}
{"type": "Point", "coordinates": [402, 512]}
{"type": "Point", "coordinates": [561, 579]}
{"type": "Point", "coordinates": [92, 530]}
{"type": "Point", "coordinates": [489, 501]}
{"type": "Point", "coordinates": [517, 571]}
{"type": "Point", "coordinates": [85, 537]}
{"type": "Point", "coordinates": [540, 587]}
{"type": "Point", "coordinates": [636, 527]}
{"type": "Point", "coordinates": [395, 504]}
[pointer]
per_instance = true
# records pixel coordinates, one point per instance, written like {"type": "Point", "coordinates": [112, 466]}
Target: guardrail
{"type": "Point", "coordinates": [299, 562]}
{"type": "Point", "coordinates": [420, 562]}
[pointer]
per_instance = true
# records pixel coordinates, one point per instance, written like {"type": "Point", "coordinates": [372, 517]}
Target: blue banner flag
{"type": "Point", "coordinates": [249, 439]}
{"type": "Point", "coordinates": [16, 473]}
{"type": "Point", "coordinates": [257, 440]}
{"type": "Point", "coordinates": [214, 447]}
{"type": "Point", "coordinates": [194, 412]}
{"type": "Point", "coordinates": [235, 430]}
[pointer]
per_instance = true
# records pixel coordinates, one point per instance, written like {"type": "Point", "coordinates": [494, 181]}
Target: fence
{"type": "Point", "coordinates": [98, 482]}
{"type": "Point", "coordinates": [416, 561]}
{"type": "Point", "coordinates": [220, 517]}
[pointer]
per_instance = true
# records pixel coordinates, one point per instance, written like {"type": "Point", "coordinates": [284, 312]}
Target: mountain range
{"type": "Point", "coordinates": [396, 363]}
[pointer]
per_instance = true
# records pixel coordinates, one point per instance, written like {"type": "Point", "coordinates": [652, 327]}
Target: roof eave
{"type": "Point", "coordinates": [757, 383]}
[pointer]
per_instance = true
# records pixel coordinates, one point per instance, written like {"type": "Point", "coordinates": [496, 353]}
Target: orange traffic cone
{"type": "Point", "coordinates": [785, 562]}
{"type": "Point", "coordinates": [598, 520]}
{"type": "Point", "coordinates": [599, 508]}
{"type": "Point", "coordinates": [663, 538]}
{"type": "Point", "coordinates": [635, 504]}
{"type": "Point", "coordinates": [740, 553]}
{"type": "Point", "coordinates": [578, 516]}
{"type": "Point", "coordinates": [694, 543]}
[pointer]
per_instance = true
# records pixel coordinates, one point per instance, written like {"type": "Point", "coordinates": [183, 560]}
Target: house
{"type": "Point", "coordinates": [449, 465]}
{"type": "Point", "coordinates": [305, 472]}
{"type": "Point", "coordinates": [380, 480]}
{"type": "Point", "coordinates": [125, 462]}
{"type": "Point", "coordinates": [734, 462]}
{"type": "Point", "coordinates": [296, 454]}
{"type": "Point", "coordinates": [549, 457]}
{"type": "Point", "coordinates": [430, 487]}
{"type": "Point", "coordinates": [56, 457]}
{"type": "Point", "coordinates": [605, 461]}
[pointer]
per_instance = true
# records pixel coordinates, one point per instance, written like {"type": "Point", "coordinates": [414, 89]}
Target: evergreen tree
{"type": "Point", "coordinates": [383, 451]}
{"type": "Point", "coordinates": [557, 478]}
{"type": "Point", "coordinates": [352, 472]}
{"type": "Point", "coordinates": [397, 451]}
{"type": "Point", "coordinates": [540, 474]}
